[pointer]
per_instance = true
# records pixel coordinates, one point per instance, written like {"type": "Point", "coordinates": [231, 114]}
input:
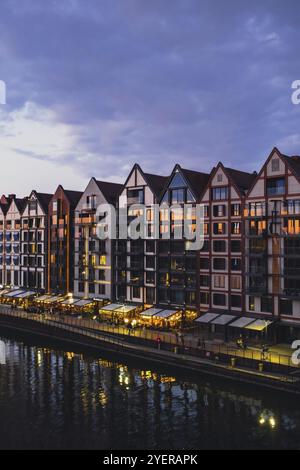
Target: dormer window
{"type": "Point", "coordinates": [220, 178]}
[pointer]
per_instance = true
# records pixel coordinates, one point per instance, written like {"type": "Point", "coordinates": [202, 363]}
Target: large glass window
{"type": "Point", "coordinates": [177, 181]}
{"type": "Point", "coordinates": [266, 304]}
{"type": "Point", "coordinates": [236, 301]}
{"type": "Point", "coordinates": [275, 186]}
{"type": "Point", "coordinates": [219, 264]}
{"type": "Point", "coordinates": [236, 264]}
{"type": "Point", "coordinates": [235, 210]}
{"type": "Point", "coordinates": [219, 246]}
{"type": "Point", "coordinates": [204, 298]}
{"type": "Point", "coordinates": [286, 307]}
{"type": "Point", "coordinates": [219, 229]}
{"type": "Point", "coordinates": [219, 211]}
{"type": "Point", "coordinates": [177, 196]}
{"type": "Point", "coordinates": [135, 196]}
{"type": "Point", "coordinates": [220, 193]}
{"type": "Point", "coordinates": [219, 299]}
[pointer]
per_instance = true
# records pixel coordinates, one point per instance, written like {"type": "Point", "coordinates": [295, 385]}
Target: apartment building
{"type": "Point", "coordinates": [11, 213]}
{"type": "Point", "coordinates": [4, 205]}
{"type": "Point", "coordinates": [34, 242]}
{"type": "Point", "coordinates": [135, 266]}
{"type": "Point", "coordinates": [222, 259]}
{"type": "Point", "coordinates": [61, 240]}
{"type": "Point", "coordinates": [272, 216]}
{"type": "Point", "coordinates": [93, 275]}
{"type": "Point", "coordinates": [178, 268]}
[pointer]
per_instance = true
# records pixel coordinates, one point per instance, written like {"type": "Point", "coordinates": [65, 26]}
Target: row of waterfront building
{"type": "Point", "coordinates": [250, 261]}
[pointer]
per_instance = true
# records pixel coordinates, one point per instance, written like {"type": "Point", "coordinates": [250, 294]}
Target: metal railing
{"type": "Point", "coordinates": [188, 344]}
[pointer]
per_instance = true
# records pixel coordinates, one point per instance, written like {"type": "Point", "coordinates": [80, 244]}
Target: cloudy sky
{"type": "Point", "coordinates": [94, 86]}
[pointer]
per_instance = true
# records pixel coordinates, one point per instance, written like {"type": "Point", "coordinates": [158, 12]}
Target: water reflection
{"type": "Point", "coordinates": [51, 399]}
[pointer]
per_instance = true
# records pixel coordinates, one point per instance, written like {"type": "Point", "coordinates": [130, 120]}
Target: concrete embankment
{"type": "Point", "coordinates": [95, 343]}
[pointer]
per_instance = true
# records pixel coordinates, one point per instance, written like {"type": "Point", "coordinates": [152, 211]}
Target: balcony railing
{"type": "Point", "coordinates": [292, 293]}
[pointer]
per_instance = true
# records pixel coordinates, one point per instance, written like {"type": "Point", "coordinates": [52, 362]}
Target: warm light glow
{"type": "Point", "coordinates": [272, 422]}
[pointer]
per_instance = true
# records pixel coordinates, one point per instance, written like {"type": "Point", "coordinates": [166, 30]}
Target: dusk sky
{"type": "Point", "coordinates": [94, 86]}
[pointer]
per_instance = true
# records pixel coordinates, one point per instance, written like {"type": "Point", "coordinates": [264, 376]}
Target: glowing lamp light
{"type": "Point", "coordinates": [272, 422]}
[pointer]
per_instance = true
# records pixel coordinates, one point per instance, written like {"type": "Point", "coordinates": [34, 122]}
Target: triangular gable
{"type": "Point", "coordinates": [13, 208]}
{"type": "Point", "coordinates": [275, 153]}
{"type": "Point", "coordinates": [177, 171]}
{"type": "Point", "coordinates": [228, 182]}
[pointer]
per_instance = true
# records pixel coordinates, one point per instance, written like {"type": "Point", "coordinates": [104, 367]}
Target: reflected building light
{"type": "Point", "coordinates": [267, 418]}
{"type": "Point", "coordinates": [39, 357]}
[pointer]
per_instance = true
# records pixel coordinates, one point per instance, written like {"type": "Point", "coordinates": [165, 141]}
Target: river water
{"type": "Point", "coordinates": [56, 399]}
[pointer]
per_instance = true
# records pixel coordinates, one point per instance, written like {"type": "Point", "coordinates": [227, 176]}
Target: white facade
{"type": "Point", "coordinates": [93, 273]}
{"type": "Point", "coordinates": [273, 230]}
{"type": "Point", "coordinates": [34, 224]}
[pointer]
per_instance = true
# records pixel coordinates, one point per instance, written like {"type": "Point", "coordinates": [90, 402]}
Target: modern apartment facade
{"type": "Point", "coordinates": [4, 205]}
{"type": "Point", "coordinates": [249, 264]}
{"type": "Point", "coordinates": [34, 242]}
{"type": "Point", "coordinates": [61, 240]}
{"type": "Point", "coordinates": [136, 260]}
{"type": "Point", "coordinates": [94, 260]}
{"type": "Point", "coordinates": [222, 259]}
{"type": "Point", "coordinates": [10, 236]}
{"type": "Point", "coordinates": [272, 218]}
{"type": "Point", "coordinates": [178, 266]}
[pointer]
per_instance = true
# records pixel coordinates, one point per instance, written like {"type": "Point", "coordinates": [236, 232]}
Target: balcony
{"type": "Point", "coordinates": [136, 281]}
{"type": "Point", "coordinates": [292, 293]}
{"type": "Point", "coordinates": [257, 290]}
{"type": "Point", "coordinates": [88, 220]}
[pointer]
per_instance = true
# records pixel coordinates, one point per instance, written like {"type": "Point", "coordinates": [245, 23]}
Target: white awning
{"type": "Point", "coordinates": [125, 308]}
{"type": "Point", "coordinates": [14, 293]}
{"type": "Point", "coordinates": [84, 302]}
{"type": "Point", "coordinates": [223, 320]}
{"type": "Point", "coordinates": [166, 313]}
{"type": "Point", "coordinates": [110, 307]}
{"type": "Point", "coordinates": [70, 301]}
{"type": "Point", "coordinates": [259, 325]}
{"type": "Point", "coordinates": [4, 291]}
{"type": "Point", "coordinates": [150, 312]}
{"type": "Point", "coordinates": [54, 299]}
{"type": "Point", "coordinates": [207, 317]}
{"type": "Point", "coordinates": [43, 298]}
{"type": "Point", "coordinates": [25, 295]}
{"type": "Point", "coordinates": [242, 322]}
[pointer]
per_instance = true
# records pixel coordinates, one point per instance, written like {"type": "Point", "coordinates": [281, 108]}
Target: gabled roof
{"type": "Point", "coordinates": [292, 162]}
{"type": "Point", "coordinates": [241, 179]}
{"type": "Point", "coordinates": [110, 191]}
{"type": "Point", "coordinates": [4, 207]}
{"type": "Point", "coordinates": [196, 179]}
{"type": "Point", "coordinates": [43, 198]}
{"type": "Point", "coordinates": [156, 182]}
{"type": "Point", "coordinates": [20, 203]}
{"type": "Point", "coordinates": [73, 196]}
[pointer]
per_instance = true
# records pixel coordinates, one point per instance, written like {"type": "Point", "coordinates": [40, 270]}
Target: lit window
{"type": "Point", "coordinates": [102, 260]}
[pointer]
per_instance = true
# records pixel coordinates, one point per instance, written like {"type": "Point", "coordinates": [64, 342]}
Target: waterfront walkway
{"type": "Point", "coordinates": [277, 358]}
{"type": "Point", "coordinates": [277, 354]}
